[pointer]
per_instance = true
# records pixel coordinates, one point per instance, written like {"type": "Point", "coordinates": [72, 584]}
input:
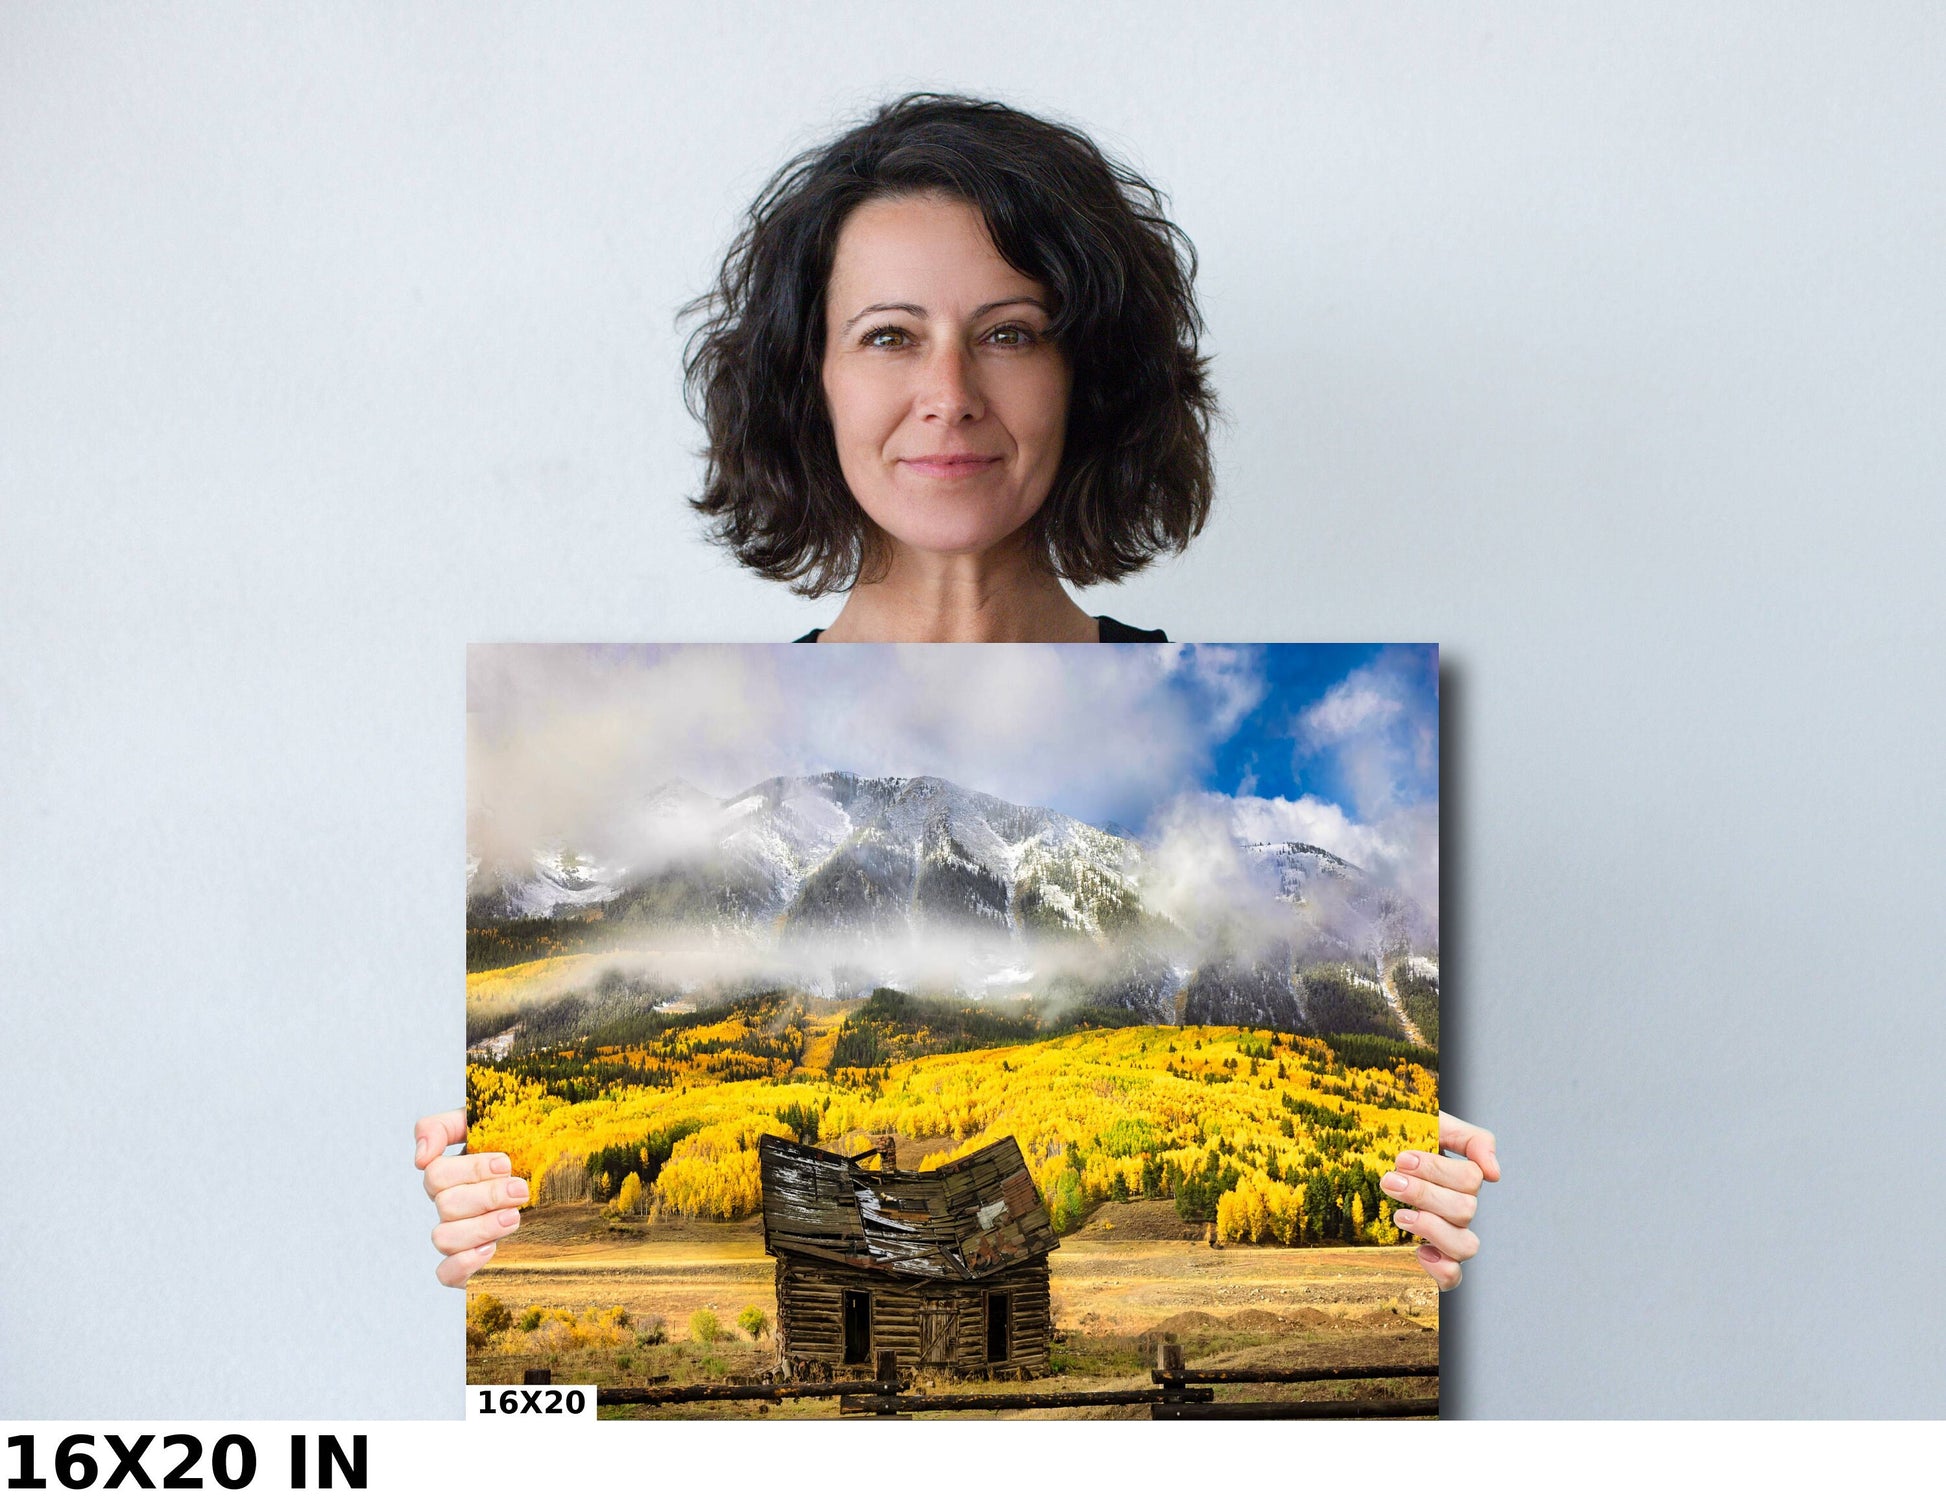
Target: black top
{"type": "Point", "coordinates": [1111, 631]}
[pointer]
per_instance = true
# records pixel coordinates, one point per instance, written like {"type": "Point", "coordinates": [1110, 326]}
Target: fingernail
{"type": "Point", "coordinates": [485, 1250]}
{"type": "Point", "coordinates": [1429, 1253]}
{"type": "Point", "coordinates": [1494, 1160]}
{"type": "Point", "coordinates": [510, 1218]}
{"type": "Point", "coordinates": [517, 1189]}
{"type": "Point", "coordinates": [421, 1154]}
{"type": "Point", "coordinates": [1405, 1216]}
{"type": "Point", "coordinates": [1394, 1183]}
{"type": "Point", "coordinates": [500, 1165]}
{"type": "Point", "coordinates": [1408, 1161]}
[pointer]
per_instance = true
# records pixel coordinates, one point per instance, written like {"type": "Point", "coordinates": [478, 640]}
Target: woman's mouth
{"type": "Point", "coordinates": [951, 466]}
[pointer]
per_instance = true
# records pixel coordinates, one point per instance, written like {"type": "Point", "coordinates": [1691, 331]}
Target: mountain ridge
{"type": "Point", "coordinates": [876, 870]}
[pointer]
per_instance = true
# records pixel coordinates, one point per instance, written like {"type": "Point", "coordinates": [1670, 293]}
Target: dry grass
{"type": "Point", "coordinates": [1115, 1292]}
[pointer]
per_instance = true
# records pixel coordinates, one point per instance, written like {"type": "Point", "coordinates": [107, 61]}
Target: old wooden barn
{"type": "Point", "coordinates": [946, 1269]}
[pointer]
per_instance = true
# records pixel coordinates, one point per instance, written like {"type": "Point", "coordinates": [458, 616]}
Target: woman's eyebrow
{"type": "Point", "coordinates": [918, 313]}
{"type": "Point", "coordinates": [912, 308]}
{"type": "Point", "coordinates": [985, 308]}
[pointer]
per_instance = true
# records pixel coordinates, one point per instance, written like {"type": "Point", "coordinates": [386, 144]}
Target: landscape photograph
{"type": "Point", "coordinates": [955, 1030]}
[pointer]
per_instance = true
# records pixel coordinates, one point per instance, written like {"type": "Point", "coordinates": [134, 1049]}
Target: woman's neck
{"type": "Point", "coordinates": [1006, 595]}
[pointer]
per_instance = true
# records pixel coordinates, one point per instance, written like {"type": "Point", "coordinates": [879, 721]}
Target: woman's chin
{"type": "Point", "coordinates": [958, 537]}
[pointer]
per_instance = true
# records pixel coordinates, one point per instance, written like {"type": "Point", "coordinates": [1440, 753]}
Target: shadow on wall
{"type": "Point", "coordinates": [1455, 964]}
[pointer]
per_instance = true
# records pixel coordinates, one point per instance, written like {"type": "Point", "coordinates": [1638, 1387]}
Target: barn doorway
{"type": "Point", "coordinates": [858, 1326]}
{"type": "Point", "coordinates": [938, 1332]}
{"type": "Point", "coordinates": [999, 1326]}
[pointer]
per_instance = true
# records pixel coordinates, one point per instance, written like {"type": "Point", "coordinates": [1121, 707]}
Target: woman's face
{"type": "Point", "coordinates": [947, 399]}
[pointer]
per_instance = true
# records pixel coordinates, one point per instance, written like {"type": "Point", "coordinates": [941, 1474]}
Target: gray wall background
{"type": "Point", "coordinates": [1601, 344]}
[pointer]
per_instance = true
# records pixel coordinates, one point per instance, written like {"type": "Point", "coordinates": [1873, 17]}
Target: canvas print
{"type": "Point", "coordinates": [1002, 1029]}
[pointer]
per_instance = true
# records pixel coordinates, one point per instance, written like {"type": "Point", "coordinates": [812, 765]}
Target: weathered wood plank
{"type": "Point", "coordinates": [682, 1394]}
{"type": "Point", "coordinates": [1294, 1375]}
{"type": "Point", "coordinates": [1065, 1399]}
{"type": "Point", "coordinates": [1292, 1410]}
{"type": "Point", "coordinates": [811, 1328]}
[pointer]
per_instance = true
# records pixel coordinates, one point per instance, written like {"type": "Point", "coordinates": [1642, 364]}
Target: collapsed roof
{"type": "Point", "coordinates": [965, 1220]}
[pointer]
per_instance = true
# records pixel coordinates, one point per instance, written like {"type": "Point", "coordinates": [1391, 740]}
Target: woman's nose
{"type": "Point", "coordinates": [950, 387]}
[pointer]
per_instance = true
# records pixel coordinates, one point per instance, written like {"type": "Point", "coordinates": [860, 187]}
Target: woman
{"type": "Point", "coordinates": [949, 367]}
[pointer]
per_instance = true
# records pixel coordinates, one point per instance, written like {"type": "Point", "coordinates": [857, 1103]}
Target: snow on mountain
{"type": "Point", "coordinates": [1294, 866]}
{"type": "Point", "coordinates": [878, 856]}
{"type": "Point", "coordinates": [556, 881]}
{"type": "Point", "coordinates": [869, 862]}
{"type": "Point", "coordinates": [1342, 909]}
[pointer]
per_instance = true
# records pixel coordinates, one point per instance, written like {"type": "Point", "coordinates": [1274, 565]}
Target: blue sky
{"type": "Point", "coordinates": [1293, 742]}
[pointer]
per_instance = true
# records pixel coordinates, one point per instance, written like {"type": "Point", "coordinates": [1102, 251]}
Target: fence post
{"type": "Point", "coordinates": [887, 1373]}
{"type": "Point", "coordinates": [1168, 1358]}
{"type": "Point", "coordinates": [537, 1376]}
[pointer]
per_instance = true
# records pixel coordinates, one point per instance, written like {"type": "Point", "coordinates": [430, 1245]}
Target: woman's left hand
{"type": "Point", "coordinates": [1438, 1196]}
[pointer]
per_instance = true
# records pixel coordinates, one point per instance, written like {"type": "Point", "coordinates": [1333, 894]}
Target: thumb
{"type": "Point", "coordinates": [433, 1134]}
{"type": "Point", "coordinates": [1461, 1137]}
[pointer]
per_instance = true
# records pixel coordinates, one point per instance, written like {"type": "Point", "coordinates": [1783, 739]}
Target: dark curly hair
{"type": "Point", "coordinates": [1135, 477]}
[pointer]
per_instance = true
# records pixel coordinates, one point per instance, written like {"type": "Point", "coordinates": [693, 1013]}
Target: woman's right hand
{"type": "Point", "coordinates": [477, 1196]}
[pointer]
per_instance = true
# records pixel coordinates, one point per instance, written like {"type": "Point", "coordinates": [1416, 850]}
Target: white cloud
{"type": "Point", "coordinates": [1381, 724]}
{"type": "Point", "coordinates": [1312, 821]}
{"type": "Point", "coordinates": [1400, 848]}
{"type": "Point", "coordinates": [1195, 872]}
{"type": "Point", "coordinates": [1231, 680]}
{"type": "Point", "coordinates": [1358, 705]}
{"type": "Point", "coordinates": [564, 739]}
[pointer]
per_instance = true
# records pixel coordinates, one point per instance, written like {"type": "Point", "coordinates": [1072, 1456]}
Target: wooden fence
{"type": "Point", "coordinates": [1175, 1392]}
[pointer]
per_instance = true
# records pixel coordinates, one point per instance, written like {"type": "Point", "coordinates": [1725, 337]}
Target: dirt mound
{"type": "Point", "coordinates": [1250, 1319]}
{"type": "Point", "coordinates": [1181, 1322]}
{"type": "Point", "coordinates": [1304, 1321]}
{"type": "Point", "coordinates": [1334, 1342]}
{"type": "Point", "coordinates": [1257, 1319]}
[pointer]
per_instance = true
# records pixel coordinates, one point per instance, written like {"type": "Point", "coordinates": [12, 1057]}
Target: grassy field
{"type": "Point", "coordinates": [1141, 1139]}
{"type": "Point", "coordinates": [1130, 1273]}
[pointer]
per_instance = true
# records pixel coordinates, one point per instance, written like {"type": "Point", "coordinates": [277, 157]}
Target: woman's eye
{"type": "Point", "coordinates": [1012, 335]}
{"type": "Point", "coordinates": [886, 338]}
